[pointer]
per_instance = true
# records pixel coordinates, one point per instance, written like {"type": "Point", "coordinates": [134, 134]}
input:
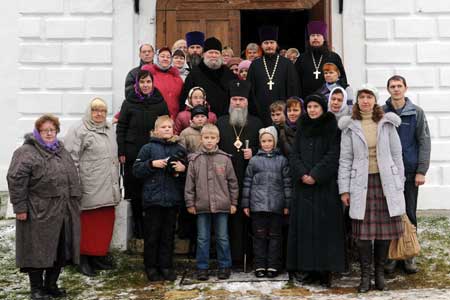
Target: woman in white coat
{"type": "Point", "coordinates": [371, 181]}
{"type": "Point", "coordinates": [92, 144]}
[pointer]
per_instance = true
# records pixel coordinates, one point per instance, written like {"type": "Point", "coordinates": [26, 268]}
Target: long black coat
{"type": "Point", "coordinates": [316, 233]}
{"type": "Point", "coordinates": [137, 118]}
{"type": "Point", "coordinates": [214, 82]}
{"type": "Point", "coordinates": [46, 186]}
{"type": "Point", "coordinates": [238, 223]}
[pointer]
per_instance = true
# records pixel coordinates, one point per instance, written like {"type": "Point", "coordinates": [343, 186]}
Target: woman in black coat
{"type": "Point", "coordinates": [316, 233]}
{"type": "Point", "coordinates": [137, 118]}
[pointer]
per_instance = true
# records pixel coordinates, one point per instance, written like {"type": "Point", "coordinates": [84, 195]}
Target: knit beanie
{"type": "Point", "coordinates": [199, 110]}
{"type": "Point", "coordinates": [245, 64]}
{"type": "Point", "coordinates": [272, 131]}
{"type": "Point", "coordinates": [368, 88]}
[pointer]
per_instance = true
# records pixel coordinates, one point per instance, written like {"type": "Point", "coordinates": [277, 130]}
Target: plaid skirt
{"type": "Point", "coordinates": [377, 224]}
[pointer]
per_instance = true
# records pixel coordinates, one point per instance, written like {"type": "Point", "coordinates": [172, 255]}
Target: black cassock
{"type": "Point", "coordinates": [285, 81]}
{"type": "Point", "coordinates": [305, 69]}
{"type": "Point", "coordinates": [238, 227]}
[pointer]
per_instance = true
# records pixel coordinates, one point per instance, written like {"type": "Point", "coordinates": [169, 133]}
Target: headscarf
{"type": "Point", "coordinates": [293, 125]}
{"type": "Point", "coordinates": [52, 147]}
{"type": "Point", "coordinates": [137, 90]}
{"type": "Point", "coordinates": [156, 59]}
{"type": "Point", "coordinates": [87, 118]}
{"type": "Point", "coordinates": [344, 108]}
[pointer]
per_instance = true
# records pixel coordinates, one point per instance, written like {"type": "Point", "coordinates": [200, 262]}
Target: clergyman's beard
{"type": "Point", "coordinates": [213, 64]}
{"type": "Point", "coordinates": [195, 59]}
{"type": "Point", "coordinates": [238, 116]}
{"type": "Point", "coordinates": [318, 50]}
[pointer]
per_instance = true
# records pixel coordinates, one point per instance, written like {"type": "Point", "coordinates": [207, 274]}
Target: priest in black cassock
{"type": "Point", "coordinates": [309, 64]}
{"type": "Point", "coordinates": [239, 138]}
{"type": "Point", "coordinates": [273, 77]}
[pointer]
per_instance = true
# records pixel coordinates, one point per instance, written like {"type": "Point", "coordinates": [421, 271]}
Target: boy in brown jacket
{"type": "Point", "coordinates": [211, 193]}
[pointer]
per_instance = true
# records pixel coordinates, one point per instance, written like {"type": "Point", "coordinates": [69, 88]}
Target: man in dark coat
{"type": "Point", "coordinates": [272, 76]}
{"type": "Point", "coordinates": [239, 136]}
{"type": "Point", "coordinates": [309, 65]}
{"type": "Point", "coordinates": [146, 53]}
{"type": "Point", "coordinates": [195, 41]}
{"type": "Point", "coordinates": [316, 233]}
{"type": "Point", "coordinates": [212, 76]}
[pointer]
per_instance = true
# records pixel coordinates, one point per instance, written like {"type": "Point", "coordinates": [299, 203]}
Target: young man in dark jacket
{"type": "Point", "coordinates": [160, 163]}
{"type": "Point", "coordinates": [416, 147]}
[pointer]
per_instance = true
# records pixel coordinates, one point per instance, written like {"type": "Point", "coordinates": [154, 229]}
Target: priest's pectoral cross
{"type": "Point", "coordinates": [317, 74]}
{"type": "Point", "coordinates": [270, 84]}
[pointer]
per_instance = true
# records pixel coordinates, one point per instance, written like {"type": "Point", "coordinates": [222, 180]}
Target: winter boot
{"type": "Point", "coordinates": [36, 285]}
{"type": "Point", "coordinates": [389, 266]}
{"type": "Point", "coordinates": [153, 274]}
{"type": "Point", "coordinates": [168, 274]}
{"type": "Point", "coordinates": [410, 266]}
{"type": "Point", "coordinates": [50, 285]}
{"type": "Point", "coordinates": [380, 255]}
{"type": "Point", "coordinates": [365, 259]}
{"type": "Point", "coordinates": [224, 273]}
{"type": "Point", "coordinates": [85, 268]}
{"type": "Point", "coordinates": [102, 262]}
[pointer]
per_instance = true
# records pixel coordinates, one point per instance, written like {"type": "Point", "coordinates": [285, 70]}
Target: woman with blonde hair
{"type": "Point", "coordinates": [92, 144]}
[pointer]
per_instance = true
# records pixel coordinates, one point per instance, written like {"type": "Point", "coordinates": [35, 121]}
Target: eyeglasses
{"type": "Point", "coordinates": [99, 111]}
{"type": "Point", "coordinates": [51, 131]}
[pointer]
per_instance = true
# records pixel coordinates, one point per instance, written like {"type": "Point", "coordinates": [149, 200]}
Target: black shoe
{"type": "Point", "coordinates": [224, 273]}
{"type": "Point", "coordinates": [50, 283]}
{"type": "Point", "coordinates": [37, 291]}
{"type": "Point", "coordinates": [260, 272]}
{"type": "Point", "coordinates": [326, 279]}
{"type": "Point", "coordinates": [102, 262]}
{"type": "Point", "coordinates": [85, 267]}
{"type": "Point", "coordinates": [202, 274]}
{"type": "Point", "coordinates": [271, 273]}
{"type": "Point", "coordinates": [152, 274]}
{"type": "Point", "coordinates": [311, 277]}
{"type": "Point", "coordinates": [168, 274]}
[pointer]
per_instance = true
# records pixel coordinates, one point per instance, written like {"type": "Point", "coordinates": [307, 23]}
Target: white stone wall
{"type": "Point", "coordinates": [410, 38]}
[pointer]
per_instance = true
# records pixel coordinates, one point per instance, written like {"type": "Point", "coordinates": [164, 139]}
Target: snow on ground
{"type": "Point", "coordinates": [128, 280]}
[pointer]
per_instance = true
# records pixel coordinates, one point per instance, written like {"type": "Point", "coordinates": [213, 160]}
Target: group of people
{"type": "Point", "coordinates": [285, 165]}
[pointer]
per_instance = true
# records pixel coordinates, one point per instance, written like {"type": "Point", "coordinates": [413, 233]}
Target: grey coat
{"type": "Point", "coordinates": [354, 164]}
{"type": "Point", "coordinates": [267, 183]}
{"type": "Point", "coordinates": [46, 186]}
{"type": "Point", "coordinates": [94, 151]}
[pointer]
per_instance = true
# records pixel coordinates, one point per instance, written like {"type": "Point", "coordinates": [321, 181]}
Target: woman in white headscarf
{"type": "Point", "coordinates": [337, 103]}
{"type": "Point", "coordinates": [92, 145]}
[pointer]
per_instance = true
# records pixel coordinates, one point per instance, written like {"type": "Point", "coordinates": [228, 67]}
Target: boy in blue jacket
{"type": "Point", "coordinates": [161, 164]}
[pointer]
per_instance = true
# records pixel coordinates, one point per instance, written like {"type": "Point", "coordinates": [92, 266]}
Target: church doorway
{"type": "Point", "coordinates": [291, 24]}
{"type": "Point", "coordinates": [236, 22]}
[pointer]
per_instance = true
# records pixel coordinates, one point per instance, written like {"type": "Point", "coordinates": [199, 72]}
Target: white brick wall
{"type": "Point", "coordinates": [410, 38]}
{"type": "Point", "coordinates": [65, 56]}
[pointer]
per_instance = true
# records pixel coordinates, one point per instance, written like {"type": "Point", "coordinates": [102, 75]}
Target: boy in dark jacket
{"type": "Point", "coordinates": [211, 192]}
{"type": "Point", "coordinates": [266, 194]}
{"type": "Point", "coordinates": [160, 163]}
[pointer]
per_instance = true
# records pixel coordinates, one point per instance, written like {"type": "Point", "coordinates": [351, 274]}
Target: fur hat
{"type": "Point", "coordinates": [368, 88]}
{"type": "Point", "coordinates": [319, 98]}
{"type": "Point", "coordinates": [212, 44]}
{"type": "Point", "coordinates": [240, 88]}
{"type": "Point", "coordinates": [270, 130]}
{"type": "Point", "coordinates": [317, 27]}
{"type": "Point", "coordinates": [268, 33]}
{"type": "Point", "coordinates": [199, 110]}
{"type": "Point", "coordinates": [195, 38]}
